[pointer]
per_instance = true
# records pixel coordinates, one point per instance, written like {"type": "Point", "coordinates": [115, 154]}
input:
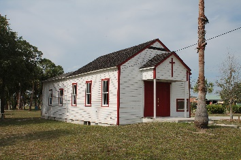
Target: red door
{"type": "Point", "coordinates": [162, 99]}
{"type": "Point", "coordinates": [148, 93]}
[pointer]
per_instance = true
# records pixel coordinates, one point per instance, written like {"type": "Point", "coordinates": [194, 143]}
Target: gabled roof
{"type": "Point", "coordinates": [155, 60]}
{"type": "Point", "coordinates": [59, 77]}
{"type": "Point", "coordinates": [115, 59]}
{"type": "Point", "coordinates": [213, 97]}
{"type": "Point", "coordinates": [159, 58]}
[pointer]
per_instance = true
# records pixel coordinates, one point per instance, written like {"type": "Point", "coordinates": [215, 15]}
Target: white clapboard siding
{"type": "Point", "coordinates": [96, 113]}
{"type": "Point", "coordinates": [178, 92]}
{"type": "Point", "coordinates": [132, 86]}
{"type": "Point", "coordinates": [54, 110]}
{"type": "Point", "coordinates": [164, 70]}
{"type": "Point", "coordinates": [157, 44]}
{"type": "Point", "coordinates": [147, 74]}
{"type": "Point", "coordinates": [131, 89]}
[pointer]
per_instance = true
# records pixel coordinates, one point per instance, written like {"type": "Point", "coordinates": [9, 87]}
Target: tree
{"type": "Point", "coordinates": [208, 87]}
{"type": "Point", "coordinates": [7, 53]}
{"type": "Point", "coordinates": [22, 68]}
{"type": "Point", "coordinates": [47, 69]}
{"type": "Point", "coordinates": [230, 81]}
{"type": "Point", "coordinates": [201, 115]}
{"type": "Point", "coordinates": [18, 60]}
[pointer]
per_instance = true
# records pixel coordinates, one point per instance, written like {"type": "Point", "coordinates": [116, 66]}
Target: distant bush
{"type": "Point", "coordinates": [236, 108]}
{"type": "Point", "coordinates": [215, 109]}
{"type": "Point", "coordinates": [193, 106]}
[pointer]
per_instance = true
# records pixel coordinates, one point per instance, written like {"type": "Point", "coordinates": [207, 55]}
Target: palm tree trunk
{"type": "Point", "coordinates": [201, 116]}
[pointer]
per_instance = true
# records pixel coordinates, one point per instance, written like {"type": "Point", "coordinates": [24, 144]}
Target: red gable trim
{"type": "Point", "coordinates": [173, 53]}
{"type": "Point", "coordinates": [157, 40]}
{"type": "Point", "coordinates": [154, 73]}
{"type": "Point", "coordinates": [163, 45]}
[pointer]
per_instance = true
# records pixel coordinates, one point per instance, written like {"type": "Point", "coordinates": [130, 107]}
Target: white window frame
{"type": "Point", "coordinates": [88, 91]}
{"type": "Point", "coordinates": [50, 97]}
{"type": "Point", "coordinates": [105, 83]}
{"type": "Point", "coordinates": [61, 97]}
{"type": "Point", "coordinates": [74, 95]}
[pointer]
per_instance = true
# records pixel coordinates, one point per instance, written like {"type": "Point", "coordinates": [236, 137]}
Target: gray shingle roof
{"type": "Point", "coordinates": [59, 77]}
{"type": "Point", "coordinates": [113, 59]}
{"type": "Point", "coordinates": [155, 60]}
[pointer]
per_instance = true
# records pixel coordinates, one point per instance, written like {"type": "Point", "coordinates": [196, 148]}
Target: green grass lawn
{"type": "Point", "coordinates": [24, 135]}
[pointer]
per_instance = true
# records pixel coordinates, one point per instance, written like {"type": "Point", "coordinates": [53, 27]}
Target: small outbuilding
{"type": "Point", "coordinates": [123, 87]}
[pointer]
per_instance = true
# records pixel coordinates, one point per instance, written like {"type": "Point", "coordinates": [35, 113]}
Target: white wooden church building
{"type": "Point", "coordinates": [122, 87]}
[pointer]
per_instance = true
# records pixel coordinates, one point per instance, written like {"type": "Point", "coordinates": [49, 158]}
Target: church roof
{"type": "Point", "coordinates": [62, 76]}
{"type": "Point", "coordinates": [156, 60]}
{"type": "Point", "coordinates": [117, 58]}
{"type": "Point", "coordinates": [113, 59]}
{"type": "Point", "coordinates": [159, 58]}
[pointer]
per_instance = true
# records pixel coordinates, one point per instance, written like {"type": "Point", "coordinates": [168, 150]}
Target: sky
{"type": "Point", "coordinates": [72, 33]}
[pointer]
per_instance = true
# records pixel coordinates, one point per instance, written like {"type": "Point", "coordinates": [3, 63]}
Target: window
{"type": "Point", "coordinates": [180, 105]}
{"type": "Point", "coordinates": [88, 93]}
{"type": "Point", "coordinates": [74, 95]}
{"type": "Point", "coordinates": [105, 92]}
{"type": "Point", "coordinates": [61, 94]}
{"type": "Point", "coordinates": [50, 97]}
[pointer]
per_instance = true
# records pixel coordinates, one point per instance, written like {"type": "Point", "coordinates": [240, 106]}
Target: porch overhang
{"type": "Point", "coordinates": [186, 90]}
{"type": "Point", "coordinates": [149, 74]}
{"type": "Point", "coordinates": [164, 80]}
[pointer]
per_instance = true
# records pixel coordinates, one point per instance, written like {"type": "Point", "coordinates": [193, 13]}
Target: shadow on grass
{"type": "Point", "coordinates": [213, 127]}
{"type": "Point", "coordinates": [24, 121]}
{"type": "Point", "coordinates": [38, 136]}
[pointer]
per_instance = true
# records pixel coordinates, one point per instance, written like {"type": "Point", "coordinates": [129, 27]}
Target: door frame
{"type": "Point", "coordinates": [149, 98]}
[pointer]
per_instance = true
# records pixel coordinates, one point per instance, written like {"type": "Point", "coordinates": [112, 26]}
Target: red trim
{"type": "Point", "coordinates": [62, 97]}
{"type": "Point", "coordinates": [75, 94]}
{"type": "Point", "coordinates": [163, 45]}
{"type": "Point", "coordinates": [88, 105]}
{"type": "Point", "coordinates": [184, 106]}
{"type": "Point", "coordinates": [106, 79]}
{"type": "Point", "coordinates": [118, 97]}
{"type": "Point", "coordinates": [187, 73]}
{"type": "Point", "coordinates": [174, 54]}
{"type": "Point", "coordinates": [157, 40]}
{"type": "Point", "coordinates": [154, 73]}
{"type": "Point", "coordinates": [189, 87]}
{"type": "Point", "coordinates": [51, 98]}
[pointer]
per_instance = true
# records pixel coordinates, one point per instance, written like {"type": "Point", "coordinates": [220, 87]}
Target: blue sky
{"type": "Point", "coordinates": [72, 33]}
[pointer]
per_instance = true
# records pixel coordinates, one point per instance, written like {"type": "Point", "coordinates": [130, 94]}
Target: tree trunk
{"type": "Point", "coordinates": [201, 116]}
{"type": "Point", "coordinates": [18, 98]}
{"type": "Point", "coordinates": [2, 99]}
{"type": "Point", "coordinates": [231, 111]}
{"type": "Point", "coordinates": [31, 99]}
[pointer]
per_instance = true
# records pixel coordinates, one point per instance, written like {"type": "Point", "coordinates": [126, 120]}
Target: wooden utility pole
{"type": "Point", "coordinates": [201, 115]}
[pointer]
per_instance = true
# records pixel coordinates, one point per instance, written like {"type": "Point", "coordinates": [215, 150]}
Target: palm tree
{"type": "Point", "coordinates": [201, 116]}
{"type": "Point", "coordinates": [209, 87]}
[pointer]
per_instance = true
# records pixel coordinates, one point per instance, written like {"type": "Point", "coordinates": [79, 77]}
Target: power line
{"type": "Point", "coordinates": [143, 62]}
{"type": "Point", "coordinates": [209, 39]}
